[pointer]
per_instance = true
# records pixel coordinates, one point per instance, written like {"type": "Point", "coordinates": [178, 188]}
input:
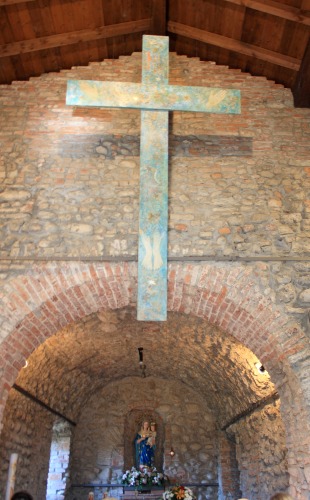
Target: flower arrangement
{"type": "Point", "coordinates": [148, 476]}
{"type": "Point", "coordinates": [178, 493]}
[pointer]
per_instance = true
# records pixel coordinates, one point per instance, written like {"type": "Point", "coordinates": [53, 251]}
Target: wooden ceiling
{"type": "Point", "coordinates": [263, 37]}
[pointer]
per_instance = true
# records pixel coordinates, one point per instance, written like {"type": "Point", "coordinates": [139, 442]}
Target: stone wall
{"type": "Point", "coordinates": [238, 183]}
{"type": "Point", "coordinates": [202, 453]}
{"type": "Point", "coordinates": [27, 431]}
{"type": "Point", "coordinates": [261, 453]}
{"type": "Point", "coordinates": [98, 441]}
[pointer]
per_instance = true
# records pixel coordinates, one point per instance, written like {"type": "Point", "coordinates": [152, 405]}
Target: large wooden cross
{"type": "Point", "coordinates": [155, 97]}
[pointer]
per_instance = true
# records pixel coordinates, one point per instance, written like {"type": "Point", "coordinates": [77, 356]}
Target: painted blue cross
{"type": "Point", "coordinates": [155, 97]}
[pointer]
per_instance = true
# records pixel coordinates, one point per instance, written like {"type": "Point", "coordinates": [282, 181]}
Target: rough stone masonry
{"type": "Point", "coordinates": [239, 190]}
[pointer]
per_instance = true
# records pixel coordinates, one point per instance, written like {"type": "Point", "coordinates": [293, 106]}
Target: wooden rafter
{"type": "Point", "coordinates": [234, 45]}
{"type": "Point", "coordinates": [3, 3]}
{"type": "Point", "coordinates": [301, 90]}
{"type": "Point", "coordinates": [277, 9]}
{"type": "Point", "coordinates": [48, 42]}
{"type": "Point", "coordinates": [159, 21]}
{"type": "Point", "coordinates": [305, 6]}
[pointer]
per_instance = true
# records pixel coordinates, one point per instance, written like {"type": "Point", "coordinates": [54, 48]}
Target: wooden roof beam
{"type": "Point", "coordinates": [277, 9]}
{"type": "Point", "coordinates": [48, 42]}
{"type": "Point", "coordinates": [305, 7]}
{"type": "Point", "coordinates": [301, 89]}
{"type": "Point", "coordinates": [234, 45]}
{"type": "Point", "coordinates": [159, 17]}
{"type": "Point", "coordinates": [3, 3]}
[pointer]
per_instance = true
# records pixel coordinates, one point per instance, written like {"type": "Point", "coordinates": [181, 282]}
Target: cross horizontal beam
{"type": "Point", "coordinates": [159, 97]}
{"type": "Point", "coordinates": [154, 97]}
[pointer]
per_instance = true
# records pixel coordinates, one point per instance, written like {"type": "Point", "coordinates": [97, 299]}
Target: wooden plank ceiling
{"type": "Point", "coordinates": [263, 37]}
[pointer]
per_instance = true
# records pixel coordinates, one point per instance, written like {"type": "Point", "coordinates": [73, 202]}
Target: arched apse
{"type": "Point", "coordinates": [198, 379]}
{"type": "Point", "coordinates": [37, 304]}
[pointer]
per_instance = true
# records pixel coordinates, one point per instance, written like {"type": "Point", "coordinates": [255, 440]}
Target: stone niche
{"type": "Point", "coordinates": [102, 438]}
{"type": "Point", "coordinates": [133, 422]}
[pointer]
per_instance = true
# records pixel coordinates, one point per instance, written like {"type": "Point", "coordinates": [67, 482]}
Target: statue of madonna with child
{"type": "Point", "coordinates": [145, 445]}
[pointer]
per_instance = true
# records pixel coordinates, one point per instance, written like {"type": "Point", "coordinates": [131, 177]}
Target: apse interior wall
{"type": "Point", "coordinates": [189, 428]}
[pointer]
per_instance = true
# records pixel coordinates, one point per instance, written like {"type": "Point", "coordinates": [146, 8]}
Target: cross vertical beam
{"type": "Point", "coordinates": [153, 216]}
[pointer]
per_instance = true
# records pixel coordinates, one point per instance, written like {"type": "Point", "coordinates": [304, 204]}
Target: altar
{"type": "Point", "coordinates": [144, 493]}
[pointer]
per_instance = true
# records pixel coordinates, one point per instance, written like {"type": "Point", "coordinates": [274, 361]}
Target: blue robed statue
{"type": "Point", "coordinates": [145, 445]}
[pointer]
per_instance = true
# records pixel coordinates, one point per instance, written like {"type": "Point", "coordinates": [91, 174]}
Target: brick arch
{"type": "Point", "coordinates": [35, 305]}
